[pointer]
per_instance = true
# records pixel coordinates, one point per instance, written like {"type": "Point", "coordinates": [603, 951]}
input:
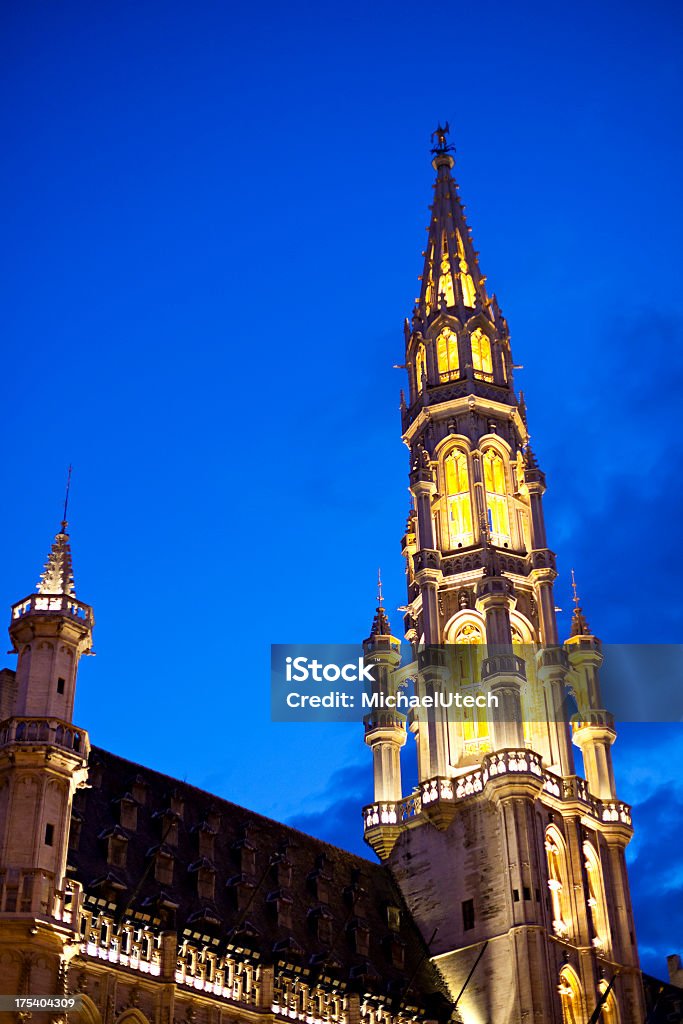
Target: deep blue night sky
{"type": "Point", "coordinates": [213, 222]}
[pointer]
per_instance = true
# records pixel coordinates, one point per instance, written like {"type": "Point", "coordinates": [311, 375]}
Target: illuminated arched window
{"type": "Point", "coordinates": [446, 290]}
{"type": "Point", "coordinates": [475, 725]}
{"type": "Point", "coordinates": [496, 498]}
{"type": "Point", "coordinates": [458, 500]}
{"type": "Point", "coordinates": [447, 358]}
{"type": "Point", "coordinates": [610, 1013]}
{"type": "Point", "coordinates": [558, 881]}
{"type": "Point", "coordinates": [420, 367]}
{"type": "Point", "coordinates": [570, 997]}
{"type": "Point", "coordinates": [469, 294]}
{"type": "Point", "coordinates": [482, 361]}
{"type": "Point", "coordinates": [596, 898]}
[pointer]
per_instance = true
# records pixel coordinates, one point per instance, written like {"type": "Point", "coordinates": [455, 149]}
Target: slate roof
{"type": "Point", "coordinates": [273, 884]}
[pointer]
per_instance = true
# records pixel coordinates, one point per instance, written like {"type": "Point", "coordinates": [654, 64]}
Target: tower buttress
{"type": "Point", "coordinates": [593, 731]}
{"type": "Point", "coordinates": [385, 727]}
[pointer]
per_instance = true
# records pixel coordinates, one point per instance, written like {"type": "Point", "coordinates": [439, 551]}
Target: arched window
{"type": "Point", "coordinates": [458, 501]}
{"type": "Point", "coordinates": [420, 367]}
{"type": "Point", "coordinates": [610, 1013]}
{"type": "Point", "coordinates": [570, 997]}
{"type": "Point", "coordinates": [447, 358]}
{"type": "Point", "coordinates": [558, 882]}
{"type": "Point", "coordinates": [596, 898]}
{"type": "Point", "coordinates": [475, 726]}
{"type": "Point", "coordinates": [482, 361]}
{"type": "Point", "coordinates": [496, 498]}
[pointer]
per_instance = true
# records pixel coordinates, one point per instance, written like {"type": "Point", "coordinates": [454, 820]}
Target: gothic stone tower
{"type": "Point", "coordinates": [43, 760]}
{"type": "Point", "coordinates": [502, 841]}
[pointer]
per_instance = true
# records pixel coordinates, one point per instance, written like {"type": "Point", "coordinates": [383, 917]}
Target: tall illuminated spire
{"type": "Point", "coordinates": [451, 279]}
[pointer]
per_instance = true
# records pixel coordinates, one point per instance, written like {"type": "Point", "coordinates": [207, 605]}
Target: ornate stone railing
{"type": "Point", "coordinates": [296, 1000]}
{"type": "Point", "coordinates": [51, 731]}
{"type": "Point", "coordinates": [204, 970]}
{"type": "Point", "coordinates": [130, 945]}
{"type": "Point", "coordinates": [598, 717]}
{"type": "Point", "coordinates": [468, 560]}
{"type": "Point", "coordinates": [47, 604]}
{"type": "Point", "coordinates": [615, 811]}
{"type": "Point", "coordinates": [67, 905]}
{"type": "Point", "coordinates": [443, 790]}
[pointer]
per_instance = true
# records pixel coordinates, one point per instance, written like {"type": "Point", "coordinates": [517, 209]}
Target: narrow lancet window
{"type": "Point", "coordinates": [469, 295]}
{"type": "Point", "coordinates": [446, 290]}
{"type": "Point", "coordinates": [556, 856]}
{"type": "Point", "coordinates": [596, 898]}
{"type": "Point", "coordinates": [570, 997]}
{"type": "Point", "coordinates": [496, 498]}
{"type": "Point", "coordinates": [429, 288]}
{"type": "Point", "coordinates": [475, 729]}
{"type": "Point", "coordinates": [447, 358]}
{"type": "Point", "coordinates": [481, 355]}
{"type": "Point", "coordinates": [458, 501]}
{"type": "Point", "coordinates": [421, 368]}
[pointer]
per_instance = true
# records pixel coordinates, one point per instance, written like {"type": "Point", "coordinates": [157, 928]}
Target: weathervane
{"type": "Point", "coordinates": [380, 598]}
{"type": "Point", "coordinates": [440, 134]}
{"type": "Point", "coordinates": [66, 500]}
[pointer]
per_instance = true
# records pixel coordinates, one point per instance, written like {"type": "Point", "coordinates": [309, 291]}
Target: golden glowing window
{"type": "Point", "coordinates": [570, 997]}
{"type": "Point", "coordinates": [446, 291]}
{"type": "Point", "coordinates": [496, 498]}
{"type": "Point", "coordinates": [556, 857]}
{"type": "Point", "coordinates": [469, 294]}
{"type": "Point", "coordinates": [610, 1014]}
{"type": "Point", "coordinates": [458, 501]}
{"type": "Point", "coordinates": [475, 725]}
{"type": "Point", "coordinates": [421, 368]}
{"type": "Point", "coordinates": [447, 358]}
{"type": "Point", "coordinates": [481, 354]}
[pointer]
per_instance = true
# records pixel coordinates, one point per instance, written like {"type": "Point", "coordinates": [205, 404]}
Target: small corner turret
{"type": "Point", "coordinates": [43, 755]}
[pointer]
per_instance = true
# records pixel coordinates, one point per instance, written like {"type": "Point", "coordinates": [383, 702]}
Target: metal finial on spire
{"type": "Point", "coordinates": [579, 625]}
{"type": "Point", "coordinates": [66, 499]}
{"type": "Point", "coordinates": [440, 134]}
{"type": "Point", "coordinates": [575, 598]}
{"type": "Point", "coordinates": [380, 623]}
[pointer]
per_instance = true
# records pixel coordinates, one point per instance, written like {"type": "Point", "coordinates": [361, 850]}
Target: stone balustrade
{"type": "Point", "coordinates": [444, 791]}
{"type": "Point", "coordinates": [206, 970]}
{"type": "Point", "coordinates": [48, 604]}
{"type": "Point", "coordinates": [50, 731]}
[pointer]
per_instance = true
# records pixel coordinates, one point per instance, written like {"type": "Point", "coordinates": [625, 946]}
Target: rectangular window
{"type": "Point", "coordinates": [467, 915]}
{"type": "Point", "coordinates": [61, 683]}
{"type": "Point", "coordinates": [49, 835]}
